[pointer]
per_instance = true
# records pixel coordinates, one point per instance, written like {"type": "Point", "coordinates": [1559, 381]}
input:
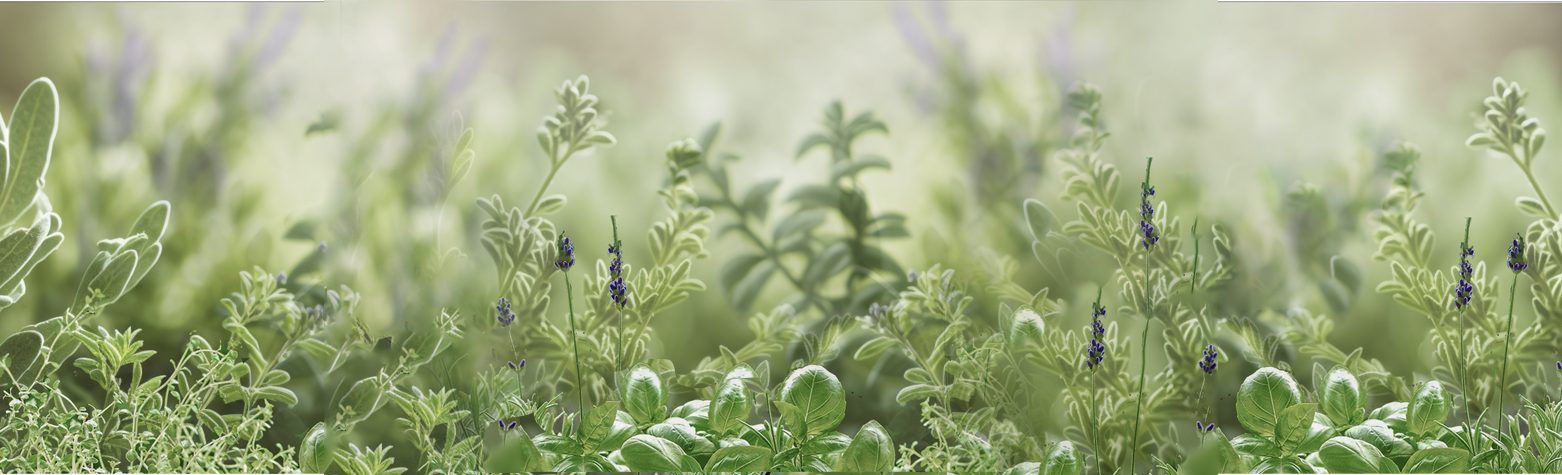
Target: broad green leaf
{"type": "Point", "coordinates": [644, 397]}
{"type": "Point", "coordinates": [34, 123]}
{"type": "Point", "coordinates": [746, 290]}
{"type": "Point", "coordinates": [1380, 436]}
{"type": "Point", "coordinates": [623, 428]}
{"type": "Point", "coordinates": [696, 411]}
{"type": "Point", "coordinates": [1341, 398]}
{"type": "Point", "coordinates": [314, 456]}
{"type": "Point", "coordinates": [1214, 455]}
{"type": "Point", "coordinates": [871, 450]}
{"type": "Point", "coordinates": [15, 250]}
{"type": "Point", "coordinates": [1062, 460]}
{"type": "Point", "coordinates": [1531, 206]}
{"type": "Point", "coordinates": [108, 285]}
{"type": "Point", "coordinates": [1038, 218]}
{"type": "Point", "coordinates": [649, 453]}
{"type": "Point", "coordinates": [737, 268]}
{"type": "Point", "coordinates": [516, 454]}
{"type": "Point", "coordinates": [730, 409]}
{"type": "Point", "coordinates": [873, 348]}
{"type": "Point", "coordinates": [22, 350]}
{"type": "Point", "coordinates": [817, 394]}
{"type": "Point", "coordinates": [1428, 409]}
{"type": "Point", "coordinates": [1295, 422]}
{"type": "Point", "coordinates": [916, 392]}
{"type": "Point", "coordinates": [1027, 328]}
{"type": "Point", "coordinates": [1392, 414]}
{"type": "Point", "coordinates": [1439, 460]}
{"type": "Point", "coordinates": [799, 223]}
{"type": "Point", "coordinates": [366, 396]}
{"type": "Point", "coordinates": [597, 424]}
{"type": "Point", "coordinates": [1024, 468]}
{"type": "Point", "coordinates": [1347, 455]}
{"type": "Point", "coordinates": [1261, 398]}
{"type": "Point", "coordinates": [740, 458]}
{"type": "Point", "coordinates": [680, 432]}
{"type": "Point", "coordinates": [153, 222]}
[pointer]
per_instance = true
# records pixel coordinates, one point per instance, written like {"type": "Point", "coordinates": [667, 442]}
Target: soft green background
{"type": "Point", "coordinates": [1240, 103]}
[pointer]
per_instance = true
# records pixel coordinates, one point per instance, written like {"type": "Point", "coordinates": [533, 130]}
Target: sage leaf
{"type": "Point", "coordinates": [34, 123]}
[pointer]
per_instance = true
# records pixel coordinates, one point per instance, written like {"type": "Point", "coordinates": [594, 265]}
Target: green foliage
{"type": "Point", "coordinates": [973, 362]}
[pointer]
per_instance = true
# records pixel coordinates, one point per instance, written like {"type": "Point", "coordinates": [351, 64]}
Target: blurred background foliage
{"type": "Point", "coordinates": [319, 140]}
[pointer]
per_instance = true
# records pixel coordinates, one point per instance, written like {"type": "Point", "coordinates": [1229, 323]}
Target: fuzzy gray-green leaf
{"type": "Point", "coordinates": [34, 123]}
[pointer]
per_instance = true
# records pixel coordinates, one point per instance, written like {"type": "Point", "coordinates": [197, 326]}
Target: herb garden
{"type": "Point", "coordinates": [548, 290]}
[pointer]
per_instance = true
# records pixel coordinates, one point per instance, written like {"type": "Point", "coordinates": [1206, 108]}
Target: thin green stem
{"type": "Point", "coordinates": [553, 169]}
{"type": "Point", "coordinates": [1539, 193]}
{"type": "Point", "coordinates": [1507, 342]}
{"type": "Point", "coordinates": [580, 390]}
{"type": "Point", "coordinates": [1144, 338]}
{"type": "Point", "coordinates": [1464, 353]}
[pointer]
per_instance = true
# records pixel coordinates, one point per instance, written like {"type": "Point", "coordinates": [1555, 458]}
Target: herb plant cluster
{"type": "Point", "coordinates": [557, 365]}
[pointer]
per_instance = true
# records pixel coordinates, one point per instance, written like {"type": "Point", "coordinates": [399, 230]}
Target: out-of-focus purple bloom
{"type": "Point", "coordinates": [566, 257]}
{"type": "Point", "coordinates": [1208, 363]}
{"type": "Point", "coordinates": [1516, 261]}
{"type": "Point", "coordinates": [505, 316]}
{"type": "Point", "coordinates": [1464, 290]}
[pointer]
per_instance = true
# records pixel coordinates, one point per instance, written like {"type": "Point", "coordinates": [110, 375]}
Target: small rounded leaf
{"type": "Point", "coordinates": [1062, 460]}
{"type": "Point", "coordinates": [871, 450]}
{"type": "Point", "coordinates": [1428, 409]}
{"type": "Point", "coordinates": [1262, 397]}
{"type": "Point", "coordinates": [819, 400]}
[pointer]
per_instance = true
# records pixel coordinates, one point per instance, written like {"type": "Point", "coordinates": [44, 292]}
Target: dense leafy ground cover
{"type": "Point", "coordinates": [1065, 323]}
